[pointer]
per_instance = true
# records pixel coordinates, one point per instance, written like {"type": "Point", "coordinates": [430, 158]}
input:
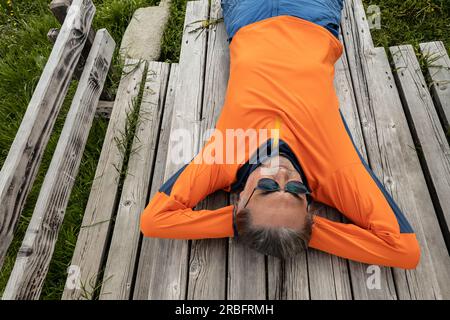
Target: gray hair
{"type": "Point", "coordinates": [280, 242]}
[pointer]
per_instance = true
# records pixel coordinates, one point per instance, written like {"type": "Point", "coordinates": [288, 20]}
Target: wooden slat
{"type": "Point", "coordinates": [207, 262]}
{"type": "Point", "coordinates": [120, 266]}
{"type": "Point", "coordinates": [35, 253]}
{"type": "Point", "coordinates": [355, 26]}
{"type": "Point", "coordinates": [246, 270]}
{"type": "Point", "coordinates": [439, 72]}
{"type": "Point", "coordinates": [21, 165]}
{"type": "Point", "coordinates": [142, 284]}
{"type": "Point", "coordinates": [328, 274]}
{"type": "Point", "coordinates": [170, 256]}
{"type": "Point", "coordinates": [94, 233]}
{"type": "Point", "coordinates": [288, 279]}
{"type": "Point", "coordinates": [427, 130]}
{"type": "Point", "coordinates": [348, 98]}
{"type": "Point", "coordinates": [188, 97]}
{"type": "Point", "coordinates": [60, 9]}
{"type": "Point", "coordinates": [358, 45]}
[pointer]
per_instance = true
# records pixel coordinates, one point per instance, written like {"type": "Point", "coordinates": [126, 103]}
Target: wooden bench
{"type": "Point", "coordinates": [397, 121]}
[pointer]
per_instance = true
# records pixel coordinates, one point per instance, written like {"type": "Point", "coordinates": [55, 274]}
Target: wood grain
{"type": "Point", "coordinates": [358, 46]}
{"type": "Point", "coordinates": [59, 8]}
{"type": "Point", "coordinates": [36, 251]}
{"type": "Point", "coordinates": [100, 209]}
{"type": "Point", "coordinates": [142, 283]}
{"type": "Point", "coordinates": [207, 259]}
{"type": "Point", "coordinates": [427, 131]}
{"type": "Point", "coordinates": [21, 165]}
{"type": "Point", "coordinates": [246, 270]}
{"type": "Point", "coordinates": [168, 269]}
{"type": "Point", "coordinates": [123, 251]}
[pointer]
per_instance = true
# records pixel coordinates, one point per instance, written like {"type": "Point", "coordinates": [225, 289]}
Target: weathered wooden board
{"type": "Point", "coordinates": [288, 279]}
{"type": "Point", "coordinates": [21, 165]}
{"type": "Point", "coordinates": [36, 251]}
{"type": "Point", "coordinates": [120, 265]}
{"type": "Point", "coordinates": [207, 259]}
{"type": "Point", "coordinates": [168, 271]}
{"type": "Point", "coordinates": [60, 9]}
{"type": "Point", "coordinates": [427, 131]}
{"type": "Point", "coordinates": [354, 20]}
{"type": "Point", "coordinates": [358, 45]}
{"type": "Point", "coordinates": [100, 209]}
{"type": "Point", "coordinates": [247, 277]}
{"type": "Point", "coordinates": [439, 72]}
{"type": "Point", "coordinates": [142, 284]}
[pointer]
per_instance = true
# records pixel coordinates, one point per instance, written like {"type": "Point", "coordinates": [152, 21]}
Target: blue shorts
{"type": "Point", "coordinates": [239, 13]}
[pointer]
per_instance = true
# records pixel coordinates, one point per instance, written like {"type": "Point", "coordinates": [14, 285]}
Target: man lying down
{"type": "Point", "coordinates": [281, 82]}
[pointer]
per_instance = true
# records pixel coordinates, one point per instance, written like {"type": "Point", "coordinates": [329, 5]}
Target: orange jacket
{"type": "Point", "coordinates": [283, 68]}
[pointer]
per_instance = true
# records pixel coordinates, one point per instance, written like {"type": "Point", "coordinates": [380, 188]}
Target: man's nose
{"type": "Point", "coordinates": [282, 176]}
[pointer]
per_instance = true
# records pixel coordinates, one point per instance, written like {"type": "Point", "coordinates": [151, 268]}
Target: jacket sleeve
{"type": "Point", "coordinates": [379, 232]}
{"type": "Point", "coordinates": [170, 215]}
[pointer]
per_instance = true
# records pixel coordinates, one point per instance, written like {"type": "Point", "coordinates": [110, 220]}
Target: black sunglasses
{"type": "Point", "coordinates": [268, 185]}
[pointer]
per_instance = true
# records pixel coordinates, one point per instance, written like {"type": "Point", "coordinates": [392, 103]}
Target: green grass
{"type": "Point", "coordinates": [412, 22]}
{"type": "Point", "coordinates": [24, 49]}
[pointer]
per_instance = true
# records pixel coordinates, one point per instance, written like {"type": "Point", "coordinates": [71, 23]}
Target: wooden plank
{"type": "Point", "coordinates": [59, 8]}
{"type": "Point", "coordinates": [358, 45]}
{"type": "Point", "coordinates": [348, 97]}
{"type": "Point", "coordinates": [123, 251]}
{"type": "Point", "coordinates": [21, 165]}
{"type": "Point", "coordinates": [36, 251]}
{"type": "Point", "coordinates": [246, 271]}
{"type": "Point", "coordinates": [355, 26]}
{"type": "Point", "coordinates": [94, 233]}
{"type": "Point", "coordinates": [328, 274]}
{"type": "Point", "coordinates": [207, 259]}
{"type": "Point", "coordinates": [439, 72]}
{"type": "Point", "coordinates": [142, 284]}
{"type": "Point", "coordinates": [170, 256]}
{"type": "Point", "coordinates": [427, 130]}
{"type": "Point", "coordinates": [288, 279]}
